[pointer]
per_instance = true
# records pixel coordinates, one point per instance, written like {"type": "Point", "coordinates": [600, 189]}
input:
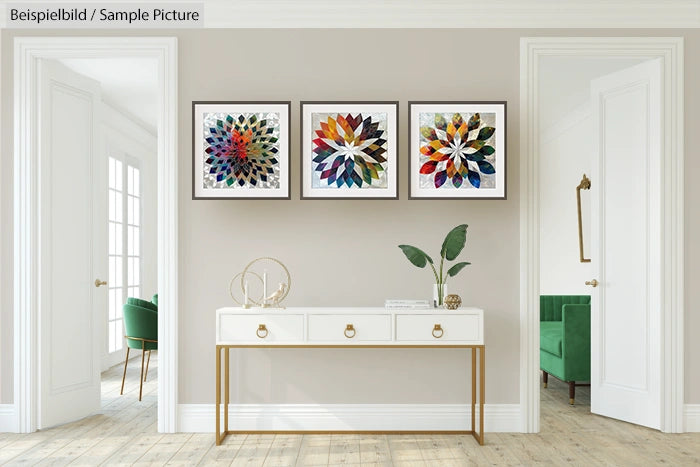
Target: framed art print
{"type": "Point", "coordinates": [240, 150]}
{"type": "Point", "coordinates": [457, 150]}
{"type": "Point", "coordinates": [349, 150]}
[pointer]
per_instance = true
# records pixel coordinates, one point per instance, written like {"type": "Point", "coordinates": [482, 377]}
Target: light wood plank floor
{"type": "Point", "coordinates": [125, 433]}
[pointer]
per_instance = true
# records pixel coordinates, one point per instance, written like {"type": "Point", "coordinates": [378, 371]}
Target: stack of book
{"type": "Point", "coordinates": [407, 304]}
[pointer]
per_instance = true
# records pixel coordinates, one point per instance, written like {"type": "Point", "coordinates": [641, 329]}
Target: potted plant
{"type": "Point", "coordinates": [451, 248]}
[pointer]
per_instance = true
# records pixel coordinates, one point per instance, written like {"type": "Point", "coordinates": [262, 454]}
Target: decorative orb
{"type": "Point", "coordinates": [273, 274]}
{"type": "Point", "coordinates": [453, 301]}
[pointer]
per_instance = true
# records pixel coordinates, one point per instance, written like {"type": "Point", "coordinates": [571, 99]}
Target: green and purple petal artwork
{"type": "Point", "coordinates": [241, 150]}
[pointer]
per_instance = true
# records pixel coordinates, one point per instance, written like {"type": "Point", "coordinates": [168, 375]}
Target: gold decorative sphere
{"type": "Point", "coordinates": [453, 301]}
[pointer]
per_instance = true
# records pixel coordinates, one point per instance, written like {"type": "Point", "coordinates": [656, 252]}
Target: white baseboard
{"type": "Point", "coordinates": [8, 419]}
{"type": "Point", "coordinates": [691, 415]}
{"type": "Point", "coordinates": [201, 418]}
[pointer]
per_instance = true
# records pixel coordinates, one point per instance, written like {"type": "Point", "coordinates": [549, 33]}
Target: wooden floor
{"type": "Point", "coordinates": [125, 433]}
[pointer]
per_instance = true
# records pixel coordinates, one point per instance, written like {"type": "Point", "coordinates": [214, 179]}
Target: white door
{"type": "Point", "coordinates": [625, 245]}
{"type": "Point", "coordinates": [73, 245]}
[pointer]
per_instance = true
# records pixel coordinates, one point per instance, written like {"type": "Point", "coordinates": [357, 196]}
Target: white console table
{"type": "Point", "coordinates": [325, 327]}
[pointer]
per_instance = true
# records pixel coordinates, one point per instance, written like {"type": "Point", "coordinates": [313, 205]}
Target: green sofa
{"type": "Point", "coordinates": [565, 339]}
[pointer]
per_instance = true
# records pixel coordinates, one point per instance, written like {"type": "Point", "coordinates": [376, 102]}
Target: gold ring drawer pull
{"type": "Point", "coordinates": [348, 329]}
{"type": "Point", "coordinates": [261, 329]}
{"type": "Point", "coordinates": [438, 329]}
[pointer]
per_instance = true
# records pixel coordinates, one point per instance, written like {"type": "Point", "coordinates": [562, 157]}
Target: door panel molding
{"type": "Point", "coordinates": [27, 309]}
{"type": "Point", "coordinates": [670, 51]}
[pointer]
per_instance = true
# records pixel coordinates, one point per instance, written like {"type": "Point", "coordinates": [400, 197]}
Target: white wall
{"type": "Point", "coordinates": [565, 156]}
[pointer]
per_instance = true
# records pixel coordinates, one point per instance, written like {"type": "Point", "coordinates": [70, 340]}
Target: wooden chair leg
{"type": "Point", "coordinates": [545, 378]}
{"type": "Point", "coordinates": [572, 392]}
{"type": "Point", "coordinates": [143, 354]}
{"type": "Point", "coordinates": [124, 376]}
{"type": "Point", "coordinates": [148, 361]}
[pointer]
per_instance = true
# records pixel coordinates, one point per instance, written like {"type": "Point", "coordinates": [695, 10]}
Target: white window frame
{"type": "Point", "coordinates": [127, 161]}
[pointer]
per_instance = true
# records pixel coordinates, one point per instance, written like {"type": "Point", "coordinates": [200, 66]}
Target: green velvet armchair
{"type": "Point", "coordinates": [141, 326]}
{"type": "Point", "coordinates": [565, 339]}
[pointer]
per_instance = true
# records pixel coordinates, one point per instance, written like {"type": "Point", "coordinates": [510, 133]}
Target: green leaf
{"type": "Point", "coordinates": [456, 268]}
{"type": "Point", "coordinates": [416, 256]}
{"type": "Point", "coordinates": [487, 150]}
{"type": "Point", "coordinates": [440, 122]}
{"type": "Point", "coordinates": [486, 132]}
{"type": "Point", "coordinates": [454, 242]}
{"type": "Point", "coordinates": [428, 133]}
{"type": "Point", "coordinates": [474, 122]}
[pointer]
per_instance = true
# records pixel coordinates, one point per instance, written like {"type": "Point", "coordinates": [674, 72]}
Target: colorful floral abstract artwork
{"type": "Point", "coordinates": [241, 152]}
{"type": "Point", "coordinates": [349, 150]}
{"type": "Point", "coordinates": [457, 150]}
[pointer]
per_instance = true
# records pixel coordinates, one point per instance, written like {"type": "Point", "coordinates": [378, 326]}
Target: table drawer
{"type": "Point", "coordinates": [261, 329]}
{"type": "Point", "coordinates": [349, 328]}
{"type": "Point", "coordinates": [439, 328]}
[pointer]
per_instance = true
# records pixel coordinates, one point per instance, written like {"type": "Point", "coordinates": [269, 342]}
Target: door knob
{"type": "Point", "coordinates": [99, 282]}
{"type": "Point", "coordinates": [592, 283]}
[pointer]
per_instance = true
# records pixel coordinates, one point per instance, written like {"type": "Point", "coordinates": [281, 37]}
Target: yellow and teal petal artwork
{"type": "Point", "coordinates": [457, 150]}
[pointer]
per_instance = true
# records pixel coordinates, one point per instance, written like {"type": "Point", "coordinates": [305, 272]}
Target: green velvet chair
{"type": "Point", "coordinates": [141, 325]}
{"type": "Point", "coordinates": [565, 339]}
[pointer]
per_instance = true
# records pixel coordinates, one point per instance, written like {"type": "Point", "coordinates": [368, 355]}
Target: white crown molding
{"type": "Point", "coordinates": [570, 120]}
{"type": "Point", "coordinates": [200, 418]}
{"type": "Point", "coordinates": [444, 14]}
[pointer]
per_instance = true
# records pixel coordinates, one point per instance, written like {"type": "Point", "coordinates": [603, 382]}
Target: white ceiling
{"type": "Point", "coordinates": [128, 84]}
{"type": "Point", "coordinates": [438, 13]}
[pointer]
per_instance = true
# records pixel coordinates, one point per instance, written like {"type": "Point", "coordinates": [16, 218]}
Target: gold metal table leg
{"type": "Point", "coordinates": [226, 389]}
{"type": "Point", "coordinates": [218, 395]}
{"type": "Point", "coordinates": [473, 352]}
{"type": "Point", "coordinates": [482, 383]}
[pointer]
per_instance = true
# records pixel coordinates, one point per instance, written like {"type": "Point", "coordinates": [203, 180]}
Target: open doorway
{"type": "Point", "coordinates": [567, 144]}
{"type": "Point", "coordinates": [644, 358]}
{"type": "Point", "coordinates": [106, 190]}
{"type": "Point", "coordinates": [98, 148]}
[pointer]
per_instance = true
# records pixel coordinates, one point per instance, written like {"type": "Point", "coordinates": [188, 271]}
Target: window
{"type": "Point", "coordinates": [124, 244]}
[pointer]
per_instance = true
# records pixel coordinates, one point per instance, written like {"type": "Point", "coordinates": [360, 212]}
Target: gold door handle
{"type": "Point", "coordinates": [436, 329]}
{"type": "Point", "coordinates": [349, 328]}
{"type": "Point", "coordinates": [99, 282]}
{"type": "Point", "coordinates": [261, 328]}
{"type": "Point", "coordinates": [592, 283]}
{"type": "Point", "coordinates": [584, 185]}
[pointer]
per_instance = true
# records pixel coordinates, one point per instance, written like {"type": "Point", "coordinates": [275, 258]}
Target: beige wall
{"type": "Point", "coordinates": [344, 252]}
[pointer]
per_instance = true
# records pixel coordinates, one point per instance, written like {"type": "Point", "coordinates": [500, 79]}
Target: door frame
{"type": "Point", "coordinates": [26, 265]}
{"type": "Point", "coordinates": [670, 51]}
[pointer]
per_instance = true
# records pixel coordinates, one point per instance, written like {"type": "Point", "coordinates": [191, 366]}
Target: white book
{"type": "Point", "coordinates": [408, 306]}
{"type": "Point", "coordinates": [406, 302]}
